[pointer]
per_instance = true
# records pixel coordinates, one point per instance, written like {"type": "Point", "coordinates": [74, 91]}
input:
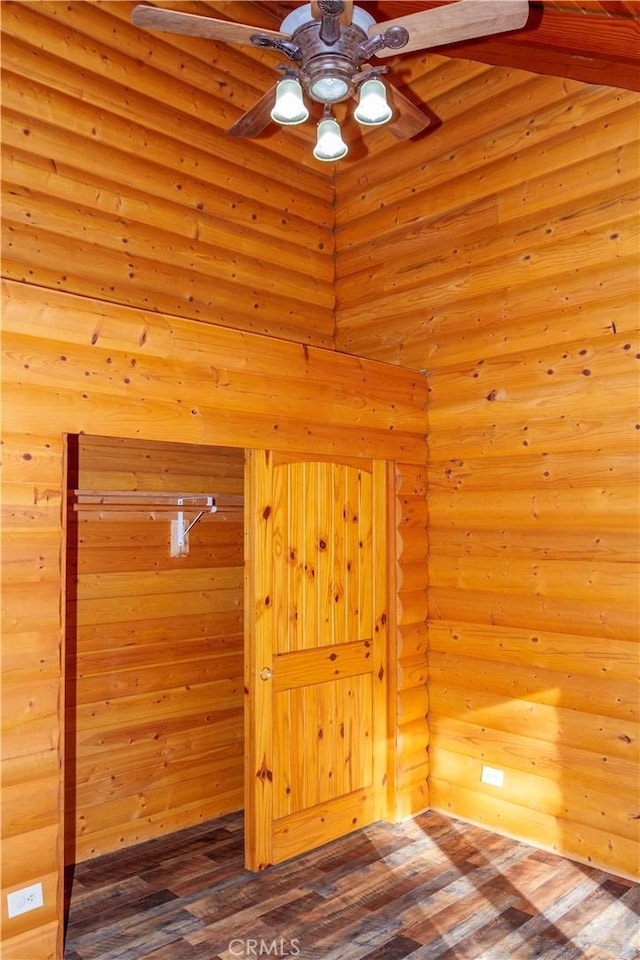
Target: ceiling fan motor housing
{"type": "Point", "coordinates": [330, 71]}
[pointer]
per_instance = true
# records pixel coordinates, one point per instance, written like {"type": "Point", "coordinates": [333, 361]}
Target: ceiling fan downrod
{"type": "Point", "coordinates": [332, 10]}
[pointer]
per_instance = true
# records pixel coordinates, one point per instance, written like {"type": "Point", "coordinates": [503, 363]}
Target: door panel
{"type": "Point", "coordinates": [316, 652]}
{"type": "Point", "coordinates": [328, 752]}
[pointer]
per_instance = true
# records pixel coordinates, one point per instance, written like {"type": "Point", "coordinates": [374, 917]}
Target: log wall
{"type": "Point", "coordinates": [120, 187]}
{"type": "Point", "coordinates": [496, 254]}
{"type": "Point", "coordinates": [74, 365]}
{"type": "Point", "coordinates": [499, 254]}
{"type": "Point", "coordinates": [154, 706]}
{"type": "Point", "coordinates": [120, 183]}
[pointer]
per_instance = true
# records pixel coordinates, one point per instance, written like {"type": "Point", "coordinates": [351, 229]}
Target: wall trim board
{"type": "Point", "coordinates": [141, 374]}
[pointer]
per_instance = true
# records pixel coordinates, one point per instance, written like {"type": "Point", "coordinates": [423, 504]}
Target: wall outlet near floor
{"type": "Point", "coordinates": [21, 901]}
{"type": "Point", "coordinates": [492, 776]}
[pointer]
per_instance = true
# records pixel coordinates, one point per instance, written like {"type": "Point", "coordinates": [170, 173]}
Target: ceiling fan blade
{"type": "Point", "coordinates": [462, 20]}
{"type": "Point", "coordinates": [408, 119]}
{"type": "Point", "coordinates": [256, 119]}
{"type": "Point", "coordinates": [172, 21]}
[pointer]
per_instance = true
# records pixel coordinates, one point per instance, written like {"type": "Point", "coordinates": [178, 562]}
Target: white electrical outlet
{"type": "Point", "coordinates": [492, 776]}
{"type": "Point", "coordinates": [21, 901]}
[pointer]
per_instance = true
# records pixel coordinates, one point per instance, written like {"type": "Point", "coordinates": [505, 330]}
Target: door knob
{"type": "Point", "coordinates": [266, 673]}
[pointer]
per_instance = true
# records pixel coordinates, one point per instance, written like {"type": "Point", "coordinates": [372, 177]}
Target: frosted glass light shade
{"type": "Point", "coordinates": [329, 144]}
{"type": "Point", "coordinates": [329, 89]}
{"type": "Point", "coordinates": [289, 107]}
{"type": "Point", "coordinates": [373, 109]}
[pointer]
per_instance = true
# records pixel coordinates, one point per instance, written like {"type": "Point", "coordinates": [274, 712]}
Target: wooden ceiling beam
{"type": "Point", "coordinates": [588, 34]}
{"type": "Point", "coordinates": [546, 62]}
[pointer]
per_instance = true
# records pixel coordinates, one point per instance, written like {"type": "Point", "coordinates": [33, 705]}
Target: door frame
{"type": "Point", "coordinates": [387, 802]}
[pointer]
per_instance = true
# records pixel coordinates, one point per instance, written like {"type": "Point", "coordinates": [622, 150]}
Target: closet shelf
{"type": "Point", "coordinates": [155, 501]}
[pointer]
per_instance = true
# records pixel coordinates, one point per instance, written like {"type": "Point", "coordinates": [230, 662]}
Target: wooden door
{"type": "Point", "coordinates": [316, 675]}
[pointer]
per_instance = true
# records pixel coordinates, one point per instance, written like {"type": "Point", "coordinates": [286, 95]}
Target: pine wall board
{"type": "Point", "coordinates": [499, 255]}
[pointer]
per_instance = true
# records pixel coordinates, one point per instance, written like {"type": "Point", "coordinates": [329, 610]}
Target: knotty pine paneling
{"type": "Point", "coordinates": [119, 182]}
{"type": "Point", "coordinates": [89, 368]}
{"type": "Point", "coordinates": [154, 725]}
{"type": "Point", "coordinates": [499, 255]}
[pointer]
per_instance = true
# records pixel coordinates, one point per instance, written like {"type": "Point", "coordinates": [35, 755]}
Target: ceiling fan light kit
{"type": "Point", "coordinates": [328, 45]}
{"type": "Point", "coordinates": [329, 53]}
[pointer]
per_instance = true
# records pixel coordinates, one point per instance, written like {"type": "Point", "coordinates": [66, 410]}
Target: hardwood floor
{"type": "Point", "coordinates": [429, 888]}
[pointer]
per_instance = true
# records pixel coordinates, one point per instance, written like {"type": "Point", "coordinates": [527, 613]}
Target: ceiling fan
{"type": "Point", "coordinates": [328, 45]}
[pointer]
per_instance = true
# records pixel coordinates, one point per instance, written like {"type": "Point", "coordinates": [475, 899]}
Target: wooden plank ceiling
{"type": "Point", "coordinates": [597, 41]}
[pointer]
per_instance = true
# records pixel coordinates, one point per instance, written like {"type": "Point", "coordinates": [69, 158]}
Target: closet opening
{"type": "Point", "coordinates": [153, 735]}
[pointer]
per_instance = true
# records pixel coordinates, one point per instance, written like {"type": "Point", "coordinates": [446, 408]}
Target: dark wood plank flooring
{"type": "Point", "coordinates": [433, 888]}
